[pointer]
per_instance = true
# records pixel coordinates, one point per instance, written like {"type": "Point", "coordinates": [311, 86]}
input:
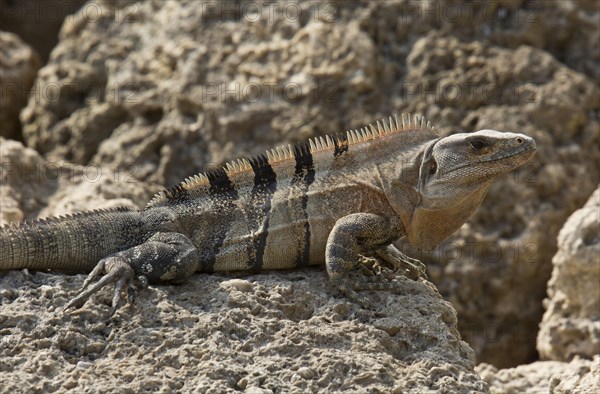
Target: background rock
{"type": "Point", "coordinates": [495, 268]}
{"type": "Point", "coordinates": [19, 64]}
{"type": "Point", "coordinates": [577, 376]}
{"type": "Point", "coordinates": [32, 187]}
{"type": "Point", "coordinates": [571, 323]}
{"type": "Point", "coordinates": [24, 185]}
{"type": "Point", "coordinates": [170, 88]}
{"type": "Point", "coordinates": [38, 22]}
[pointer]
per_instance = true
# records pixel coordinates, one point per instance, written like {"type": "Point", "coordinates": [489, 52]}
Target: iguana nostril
{"type": "Point", "coordinates": [519, 140]}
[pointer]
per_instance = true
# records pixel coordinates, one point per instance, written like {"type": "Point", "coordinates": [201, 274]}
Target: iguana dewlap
{"type": "Point", "coordinates": [328, 201]}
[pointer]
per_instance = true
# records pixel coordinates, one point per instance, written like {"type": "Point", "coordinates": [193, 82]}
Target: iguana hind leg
{"type": "Point", "coordinates": [164, 257]}
{"type": "Point", "coordinates": [354, 235]}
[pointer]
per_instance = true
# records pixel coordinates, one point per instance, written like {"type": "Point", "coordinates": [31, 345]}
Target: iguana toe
{"type": "Point", "coordinates": [116, 270]}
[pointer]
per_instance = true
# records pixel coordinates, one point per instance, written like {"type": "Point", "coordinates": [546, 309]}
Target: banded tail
{"type": "Point", "coordinates": [72, 243]}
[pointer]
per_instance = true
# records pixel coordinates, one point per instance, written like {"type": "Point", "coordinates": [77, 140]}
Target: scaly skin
{"type": "Point", "coordinates": [330, 200]}
{"type": "Point", "coordinates": [73, 243]}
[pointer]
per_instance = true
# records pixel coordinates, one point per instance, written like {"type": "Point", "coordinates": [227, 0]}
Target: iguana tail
{"type": "Point", "coordinates": [72, 243]}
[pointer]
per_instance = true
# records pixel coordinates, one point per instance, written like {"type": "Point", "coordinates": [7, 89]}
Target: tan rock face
{"type": "Point", "coordinates": [37, 22]}
{"type": "Point", "coordinates": [270, 332]}
{"type": "Point", "coordinates": [24, 186]}
{"type": "Point", "coordinates": [174, 101]}
{"type": "Point", "coordinates": [31, 186]}
{"type": "Point", "coordinates": [576, 376]}
{"type": "Point", "coordinates": [19, 64]}
{"type": "Point", "coordinates": [167, 89]}
{"type": "Point", "coordinates": [571, 323]}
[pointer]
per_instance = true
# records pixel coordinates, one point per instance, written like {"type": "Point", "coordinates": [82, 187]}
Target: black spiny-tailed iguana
{"type": "Point", "coordinates": [330, 200]}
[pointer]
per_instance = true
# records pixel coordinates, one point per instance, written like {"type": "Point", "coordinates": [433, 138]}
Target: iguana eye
{"type": "Point", "coordinates": [477, 144]}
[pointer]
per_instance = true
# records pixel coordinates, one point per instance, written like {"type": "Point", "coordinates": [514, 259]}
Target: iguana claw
{"type": "Point", "coordinates": [164, 257]}
{"type": "Point", "coordinates": [115, 269]}
{"type": "Point", "coordinates": [412, 268]}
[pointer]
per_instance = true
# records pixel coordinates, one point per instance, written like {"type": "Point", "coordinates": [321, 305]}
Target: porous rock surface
{"type": "Point", "coordinates": [272, 332]}
{"type": "Point", "coordinates": [177, 86]}
{"type": "Point", "coordinates": [571, 323]}
{"type": "Point", "coordinates": [31, 186]}
{"type": "Point", "coordinates": [19, 64]}
{"type": "Point", "coordinates": [288, 331]}
{"type": "Point", "coordinates": [579, 376]}
{"type": "Point", "coordinates": [495, 268]}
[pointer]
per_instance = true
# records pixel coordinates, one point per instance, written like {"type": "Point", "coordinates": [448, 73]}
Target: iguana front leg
{"type": "Point", "coordinates": [164, 257]}
{"type": "Point", "coordinates": [361, 234]}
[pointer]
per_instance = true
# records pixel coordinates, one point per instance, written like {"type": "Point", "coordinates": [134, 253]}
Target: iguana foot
{"type": "Point", "coordinates": [355, 235]}
{"type": "Point", "coordinates": [116, 269]}
{"type": "Point", "coordinates": [412, 268]}
{"type": "Point", "coordinates": [374, 266]}
{"type": "Point", "coordinates": [164, 257]}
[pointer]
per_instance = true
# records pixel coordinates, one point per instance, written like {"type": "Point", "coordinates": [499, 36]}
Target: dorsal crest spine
{"type": "Point", "coordinates": [63, 218]}
{"type": "Point", "coordinates": [337, 143]}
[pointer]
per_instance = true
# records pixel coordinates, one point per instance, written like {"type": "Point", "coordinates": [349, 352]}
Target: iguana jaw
{"type": "Point", "coordinates": [514, 158]}
{"type": "Point", "coordinates": [454, 177]}
{"type": "Point", "coordinates": [457, 165]}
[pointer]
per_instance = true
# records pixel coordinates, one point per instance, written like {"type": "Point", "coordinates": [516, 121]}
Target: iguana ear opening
{"type": "Point", "coordinates": [433, 166]}
{"type": "Point", "coordinates": [428, 167]}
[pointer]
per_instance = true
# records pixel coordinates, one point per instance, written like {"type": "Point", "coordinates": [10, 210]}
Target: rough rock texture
{"type": "Point", "coordinates": [38, 22]}
{"type": "Point", "coordinates": [571, 324]}
{"type": "Point", "coordinates": [211, 87]}
{"type": "Point", "coordinates": [495, 269]}
{"type": "Point", "coordinates": [19, 64]}
{"type": "Point", "coordinates": [288, 331]}
{"type": "Point", "coordinates": [263, 333]}
{"type": "Point", "coordinates": [32, 187]}
{"type": "Point", "coordinates": [170, 87]}
{"type": "Point", "coordinates": [23, 187]}
{"type": "Point", "coordinates": [567, 29]}
{"type": "Point", "coordinates": [576, 377]}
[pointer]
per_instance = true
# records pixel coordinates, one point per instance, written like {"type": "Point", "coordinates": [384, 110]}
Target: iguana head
{"type": "Point", "coordinates": [454, 176]}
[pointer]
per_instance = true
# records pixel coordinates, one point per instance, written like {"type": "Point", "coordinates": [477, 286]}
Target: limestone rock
{"type": "Point", "coordinates": [174, 88]}
{"type": "Point", "coordinates": [175, 101]}
{"type": "Point", "coordinates": [274, 333]}
{"type": "Point", "coordinates": [571, 323]}
{"type": "Point", "coordinates": [577, 376]}
{"type": "Point", "coordinates": [38, 22]}
{"type": "Point", "coordinates": [24, 185]}
{"type": "Point", "coordinates": [19, 64]}
{"type": "Point", "coordinates": [34, 187]}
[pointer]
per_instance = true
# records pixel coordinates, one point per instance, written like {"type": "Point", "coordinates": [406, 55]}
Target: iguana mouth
{"type": "Point", "coordinates": [506, 156]}
{"type": "Point", "coordinates": [511, 154]}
